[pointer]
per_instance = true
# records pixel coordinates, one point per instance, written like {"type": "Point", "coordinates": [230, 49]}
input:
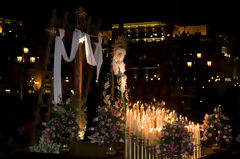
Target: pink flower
{"type": "Point", "coordinates": [102, 122]}
{"type": "Point", "coordinates": [210, 134]}
{"type": "Point", "coordinates": [216, 115]}
{"type": "Point", "coordinates": [68, 101]}
{"type": "Point", "coordinates": [118, 123]}
{"type": "Point", "coordinates": [154, 99]}
{"type": "Point", "coordinates": [121, 140]}
{"type": "Point", "coordinates": [215, 109]}
{"type": "Point", "coordinates": [70, 122]}
{"type": "Point", "coordinates": [211, 125]}
{"type": "Point", "coordinates": [224, 136]}
{"type": "Point", "coordinates": [95, 119]}
{"type": "Point", "coordinates": [91, 129]}
{"type": "Point", "coordinates": [206, 116]}
{"type": "Point", "coordinates": [163, 103]}
{"type": "Point", "coordinates": [217, 138]}
{"type": "Point", "coordinates": [219, 131]}
{"type": "Point", "coordinates": [114, 135]}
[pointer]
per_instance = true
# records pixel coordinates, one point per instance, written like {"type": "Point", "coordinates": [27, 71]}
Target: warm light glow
{"type": "Point", "coordinates": [227, 79]}
{"type": "Point", "coordinates": [209, 63]}
{"type": "Point", "coordinates": [7, 90]}
{"type": "Point", "coordinates": [199, 55]}
{"type": "Point", "coordinates": [25, 50]}
{"type": "Point", "coordinates": [32, 59]}
{"type": "Point", "coordinates": [189, 63]}
{"type": "Point", "coordinates": [47, 91]}
{"type": "Point", "coordinates": [0, 29]}
{"type": "Point", "coordinates": [19, 58]}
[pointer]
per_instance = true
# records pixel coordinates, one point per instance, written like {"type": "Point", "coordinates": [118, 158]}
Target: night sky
{"type": "Point", "coordinates": [188, 12]}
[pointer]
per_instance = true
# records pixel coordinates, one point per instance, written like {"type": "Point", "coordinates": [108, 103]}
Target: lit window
{"type": "Point", "coordinates": [32, 59]}
{"type": "Point", "coordinates": [199, 55]}
{"type": "Point", "coordinates": [19, 58]}
{"type": "Point", "coordinates": [209, 63]}
{"type": "Point", "coordinates": [227, 79]}
{"type": "Point", "coordinates": [224, 49]}
{"type": "Point", "coordinates": [25, 50]}
{"type": "Point", "coordinates": [189, 63]}
{"type": "Point", "coordinates": [203, 87]}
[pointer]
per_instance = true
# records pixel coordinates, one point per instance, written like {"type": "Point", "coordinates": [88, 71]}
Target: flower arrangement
{"type": "Point", "coordinates": [216, 129]}
{"type": "Point", "coordinates": [109, 127]}
{"type": "Point", "coordinates": [61, 129]}
{"type": "Point", "coordinates": [43, 146]}
{"type": "Point", "coordinates": [63, 126]}
{"type": "Point", "coordinates": [174, 140]}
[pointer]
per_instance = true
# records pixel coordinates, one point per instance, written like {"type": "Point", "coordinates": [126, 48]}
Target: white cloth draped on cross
{"type": "Point", "coordinates": [60, 51]}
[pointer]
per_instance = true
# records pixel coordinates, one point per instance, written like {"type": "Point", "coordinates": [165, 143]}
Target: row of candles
{"type": "Point", "coordinates": [146, 125]}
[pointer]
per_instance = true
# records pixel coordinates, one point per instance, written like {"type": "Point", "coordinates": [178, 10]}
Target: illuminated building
{"type": "Point", "coordinates": [19, 59]}
{"type": "Point", "coordinates": [180, 66]}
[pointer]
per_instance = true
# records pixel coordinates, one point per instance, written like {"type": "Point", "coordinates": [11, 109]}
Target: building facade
{"type": "Point", "coordinates": [194, 68]}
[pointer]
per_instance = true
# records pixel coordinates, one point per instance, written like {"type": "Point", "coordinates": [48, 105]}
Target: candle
{"type": "Point", "coordinates": [150, 135]}
{"type": "Point", "coordinates": [198, 135]}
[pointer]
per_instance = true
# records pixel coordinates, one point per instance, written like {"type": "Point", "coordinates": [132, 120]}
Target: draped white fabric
{"type": "Point", "coordinates": [60, 51]}
{"type": "Point", "coordinates": [98, 56]}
